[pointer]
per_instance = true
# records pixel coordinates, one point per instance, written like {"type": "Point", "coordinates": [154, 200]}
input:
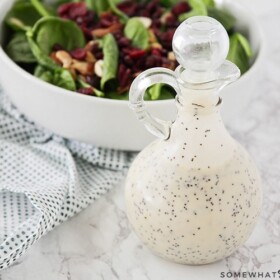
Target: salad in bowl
{"type": "Point", "coordinates": [97, 47]}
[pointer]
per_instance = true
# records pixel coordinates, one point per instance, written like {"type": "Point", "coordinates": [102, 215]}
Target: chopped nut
{"type": "Point", "coordinates": [147, 22]}
{"type": "Point", "coordinates": [152, 36]}
{"type": "Point", "coordinates": [164, 17]}
{"type": "Point", "coordinates": [101, 32]}
{"type": "Point", "coordinates": [156, 45]}
{"type": "Point", "coordinates": [89, 45]}
{"type": "Point", "coordinates": [171, 56]}
{"type": "Point", "coordinates": [98, 68]}
{"type": "Point", "coordinates": [85, 68]}
{"type": "Point", "coordinates": [90, 57]}
{"type": "Point", "coordinates": [65, 58]}
{"type": "Point", "coordinates": [54, 58]}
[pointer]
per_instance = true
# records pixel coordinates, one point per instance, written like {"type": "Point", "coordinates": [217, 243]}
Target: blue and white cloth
{"type": "Point", "coordinates": [45, 180]}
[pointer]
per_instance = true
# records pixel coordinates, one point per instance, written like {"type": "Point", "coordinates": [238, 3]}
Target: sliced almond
{"type": "Point", "coordinates": [65, 58]}
{"type": "Point", "coordinates": [147, 22]}
{"type": "Point", "coordinates": [90, 57]}
{"type": "Point", "coordinates": [101, 32]}
{"type": "Point", "coordinates": [98, 68]}
{"type": "Point", "coordinates": [89, 45]}
{"type": "Point", "coordinates": [85, 68]}
{"type": "Point", "coordinates": [171, 56]}
{"type": "Point", "coordinates": [156, 45]}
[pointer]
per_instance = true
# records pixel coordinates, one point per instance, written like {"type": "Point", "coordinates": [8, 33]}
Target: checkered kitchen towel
{"type": "Point", "coordinates": [45, 180]}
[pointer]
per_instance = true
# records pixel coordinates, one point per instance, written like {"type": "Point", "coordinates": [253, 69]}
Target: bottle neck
{"type": "Point", "coordinates": [200, 132]}
{"type": "Point", "coordinates": [198, 102]}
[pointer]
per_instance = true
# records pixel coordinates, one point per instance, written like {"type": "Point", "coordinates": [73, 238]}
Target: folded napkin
{"type": "Point", "coordinates": [45, 180]}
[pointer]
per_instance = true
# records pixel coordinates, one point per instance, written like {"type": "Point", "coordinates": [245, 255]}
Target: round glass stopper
{"type": "Point", "coordinates": [201, 44]}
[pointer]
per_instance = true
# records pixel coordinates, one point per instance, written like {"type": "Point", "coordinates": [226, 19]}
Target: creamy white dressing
{"type": "Point", "coordinates": [195, 198]}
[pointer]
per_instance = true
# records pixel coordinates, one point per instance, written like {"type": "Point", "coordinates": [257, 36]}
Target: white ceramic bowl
{"type": "Point", "coordinates": [110, 123]}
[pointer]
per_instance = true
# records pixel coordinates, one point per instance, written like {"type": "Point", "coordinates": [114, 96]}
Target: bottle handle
{"type": "Point", "coordinates": [157, 127]}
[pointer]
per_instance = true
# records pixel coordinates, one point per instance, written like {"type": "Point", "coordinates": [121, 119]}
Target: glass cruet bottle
{"type": "Point", "coordinates": [193, 195]}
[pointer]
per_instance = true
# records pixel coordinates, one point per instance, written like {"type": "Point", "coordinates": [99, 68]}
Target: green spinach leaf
{"type": "Point", "coordinates": [59, 77]}
{"type": "Point", "coordinates": [155, 91]}
{"type": "Point", "coordinates": [18, 49]}
{"type": "Point", "coordinates": [240, 52]}
{"type": "Point", "coordinates": [51, 30]}
{"type": "Point", "coordinates": [40, 8]}
{"type": "Point", "coordinates": [245, 44]}
{"type": "Point", "coordinates": [42, 58]}
{"type": "Point", "coordinates": [43, 74]}
{"type": "Point", "coordinates": [224, 17]}
{"type": "Point", "coordinates": [63, 78]}
{"type": "Point", "coordinates": [117, 11]}
{"type": "Point", "coordinates": [209, 3]}
{"type": "Point", "coordinates": [170, 3]}
{"type": "Point", "coordinates": [100, 6]}
{"type": "Point", "coordinates": [160, 92]}
{"type": "Point", "coordinates": [137, 33]}
{"type": "Point", "coordinates": [111, 57]}
{"type": "Point", "coordinates": [22, 15]}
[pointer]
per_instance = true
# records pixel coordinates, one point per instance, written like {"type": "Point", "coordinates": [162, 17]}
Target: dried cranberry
{"type": "Point", "coordinates": [125, 78]}
{"type": "Point", "coordinates": [77, 10]}
{"type": "Point", "coordinates": [121, 71]}
{"type": "Point", "coordinates": [94, 48]}
{"type": "Point", "coordinates": [180, 8]}
{"type": "Point", "coordinates": [87, 32]}
{"type": "Point", "coordinates": [64, 9]}
{"type": "Point", "coordinates": [156, 23]}
{"type": "Point", "coordinates": [86, 91]}
{"type": "Point", "coordinates": [128, 7]}
{"type": "Point", "coordinates": [151, 7]}
{"type": "Point", "coordinates": [144, 13]}
{"type": "Point", "coordinates": [79, 54]}
{"type": "Point", "coordinates": [126, 50]}
{"type": "Point", "coordinates": [157, 14]}
{"type": "Point", "coordinates": [57, 47]}
{"type": "Point", "coordinates": [89, 18]}
{"type": "Point", "coordinates": [99, 55]}
{"type": "Point", "coordinates": [151, 61]}
{"type": "Point", "coordinates": [166, 39]}
{"type": "Point", "coordinates": [171, 21]}
{"type": "Point", "coordinates": [137, 53]}
{"type": "Point", "coordinates": [105, 22]}
{"type": "Point", "coordinates": [128, 60]}
{"type": "Point", "coordinates": [80, 20]}
{"type": "Point", "coordinates": [156, 52]}
{"type": "Point", "coordinates": [107, 15]}
{"type": "Point", "coordinates": [93, 80]}
{"type": "Point", "coordinates": [124, 42]}
{"type": "Point", "coordinates": [118, 35]}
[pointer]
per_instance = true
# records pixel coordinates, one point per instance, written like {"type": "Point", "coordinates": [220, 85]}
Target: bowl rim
{"type": "Point", "coordinates": [57, 90]}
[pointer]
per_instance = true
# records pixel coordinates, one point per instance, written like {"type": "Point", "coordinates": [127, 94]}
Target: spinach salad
{"type": "Point", "coordinates": [97, 47]}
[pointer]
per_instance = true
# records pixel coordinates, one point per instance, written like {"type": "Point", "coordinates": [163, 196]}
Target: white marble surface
{"type": "Point", "coordinates": [99, 244]}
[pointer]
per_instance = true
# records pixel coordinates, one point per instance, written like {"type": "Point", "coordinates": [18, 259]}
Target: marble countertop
{"type": "Point", "coordinates": [99, 244]}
